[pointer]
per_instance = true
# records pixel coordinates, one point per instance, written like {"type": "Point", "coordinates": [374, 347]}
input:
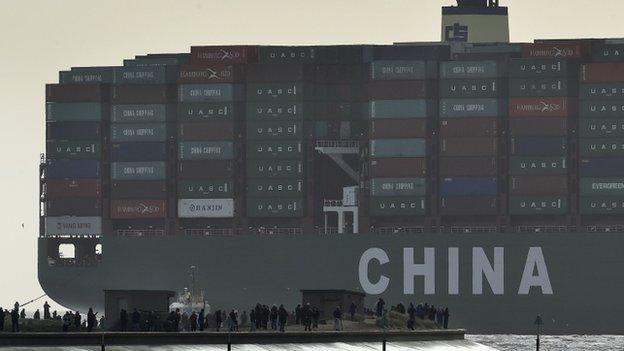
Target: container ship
{"type": "Point", "coordinates": [473, 173]}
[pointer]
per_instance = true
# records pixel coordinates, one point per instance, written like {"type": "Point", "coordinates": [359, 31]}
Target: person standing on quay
{"type": "Point", "coordinates": [282, 316]}
{"type": "Point", "coordinates": [352, 310]}
{"type": "Point", "coordinates": [193, 322]}
{"type": "Point", "coordinates": [2, 315]}
{"type": "Point", "coordinates": [46, 311]}
{"type": "Point", "coordinates": [307, 317]}
{"type": "Point", "coordinates": [446, 317]}
{"type": "Point", "coordinates": [15, 319]}
{"type": "Point", "coordinates": [201, 319]}
{"type": "Point", "coordinates": [337, 319]}
{"type": "Point", "coordinates": [380, 307]}
{"type": "Point", "coordinates": [91, 320]}
{"type": "Point", "coordinates": [123, 319]}
{"type": "Point", "coordinates": [298, 315]}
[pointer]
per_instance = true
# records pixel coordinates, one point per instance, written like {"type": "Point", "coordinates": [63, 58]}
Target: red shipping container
{"type": "Point", "coordinates": [74, 207]}
{"type": "Point", "coordinates": [145, 189]}
{"type": "Point", "coordinates": [138, 209]}
{"type": "Point", "coordinates": [215, 73]}
{"type": "Point", "coordinates": [201, 55]}
{"type": "Point", "coordinates": [602, 72]}
{"type": "Point", "coordinates": [205, 169]}
{"type": "Point", "coordinates": [451, 127]}
{"type": "Point", "coordinates": [553, 50]}
{"type": "Point", "coordinates": [538, 107]}
{"type": "Point", "coordinates": [64, 188]}
{"type": "Point", "coordinates": [143, 94]}
{"type": "Point", "coordinates": [398, 128]}
{"type": "Point", "coordinates": [398, 167]}
{"type": "Point", "coordinates": [537, 126]}
{"type": "Point", "coordinates": [468, 166]}
{"type": "Point", "coordinates": [214, 130]}
{"type": "Point", "coordinates": [77, 93]}
{"type": "Point", "coordinates": [397, 90]}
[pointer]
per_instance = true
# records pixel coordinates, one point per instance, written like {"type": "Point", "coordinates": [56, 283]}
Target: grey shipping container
{"type": "Point", "coordinates": [273, 168]}
{"type": "Point", "coordinates": [468, 166]}
{"type": "Point", "coordinates": [151, 113]}
{"type": "Point", "coordinates": [138, 170]}
{"type": "Point", "coordinates": [398, 186]}
{"type": "Point", "coordinates": [139, 132]}
{"type": "Point", "coordinates": [274, 130]}
{"type": "Point", "coordinates": [286, 149]}
{"type": "Point", "coordinates": [599, 91]}
{"type": "Point", "coordinates": [74, 111]}
{"type": "Point", "coordinates": [208, 150]}
{"type": "Point", "coordinates": [469, 205]}
{"type": "Point", "coordinates": [539, 185]}
{"type": "Point", "coordinates": [275, 187]}
{"type": "Point", "coordinates": [470, 69]}
{"type": "Point", "coordinates": [485, 107]}
{"type": "Point", "coordinates": [207, 111]}
{"type": "Point", "coordinates": [419, 108]}
{"type": "Point", "coordinates": [534, 165]}
{"type": "Point", "coordinates": [538, 126]}
{"type": "Point", "coordinates": [601, 127]}
{"type": "Point", "coordinates": [274, 110]}
{"type": "Point", "coordinates": [210, 92]}
{"type": "Point", "coordinates": [403, 70]}
{"type": "Point", "coordinates": [469, 88]}
{"type": "Point", "coordinates": [397, 147]}
{"type": "Point", "coordinates": [538, 87]}
{"type": "Point", "coordinates": [465, 146]}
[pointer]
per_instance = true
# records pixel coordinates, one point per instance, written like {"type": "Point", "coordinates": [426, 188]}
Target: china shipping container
{"type": "Point", "coordinates": [398, 167]}
{"type": "Point", "coordinates": [402, 70]}
{"type": "Point", "coordinates": [87, 75]}
{"type": "Point", "coordinates": [145, 74]}
{"type": "Point", "coordinates": [126, 209]}
{"type": "Point", "coordinates": [149, 170]}
{"type": "Point", "coordinates": [468, 146]}
{"type": "Point", "coordinates": [210, 92]}
{"type": "Point", "coordinates": [274, 207]}
{"type": "Point", "coordinates": [397, 206]}
{"type": "Point", "coordinates": [454, 127]}
{"type": "Point", "coordinates": [538, 185]}
{"type": "Point", "coordinates": [538, 126]}
{"type": "Point", "coordinates": [147, 151]}
{"type": "Point", "coordinates": [205, 169]}
{"type": "Point", "coordinates": [468, 166]}
{"type": "Point", "coordinates": [206, 150]}
{"type": "Point", "coordinates": [74, 111]}
{"type": "Point", "coordinates": [601, 166]}
{"type": "Point", "coordinates": [206, 131]}
{"type": "Point", "coordinates": [63, 188]}
{"type": "Point", "coordinates": [77, 93]}
{"type": "Point", "coordinates": [70, 169]}
{"type": "Point", "coordinates": [143, 132]}
{"type": "Point", "coordinates": [142, 113]}
{"type": "Point", "coordinates": [73, 131]}
{"type": "Point", "coordinates": [143, 94]}
{"type": "Point", "coordinates": [471, 69]}
{"type": "Point", "coordinates": [134, 189]}
{"type": "Point", "coordinates": [398, 128]}
{"type": "Point", "coordinates": [469, 205]}
{"type": "Point", "coordinates": [398, 186]}
{"type": "Point", "coordinates": [536, 165]}
{"type": "Point", "coordinates": [483, 107]}
{"type": "Point", "coordinates": [73, 207]}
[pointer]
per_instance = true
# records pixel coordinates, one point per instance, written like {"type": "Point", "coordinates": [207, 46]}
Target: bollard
{"type": "Point", "coordinates": [102, 343]}
{"type": "Point", "coordinates": [229, 343]}
{"type": "Point", "coordinates": [383, 345]}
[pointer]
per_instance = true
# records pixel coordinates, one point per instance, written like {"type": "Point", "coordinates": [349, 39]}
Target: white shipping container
{"type": "Point", "coordinates": [71, 225]}
{"type": "Point", "coordinates": [206, 208]}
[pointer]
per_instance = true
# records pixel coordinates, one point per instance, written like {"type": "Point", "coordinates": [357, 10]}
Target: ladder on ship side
{"type": "Point", "coordinates": [336, 149]}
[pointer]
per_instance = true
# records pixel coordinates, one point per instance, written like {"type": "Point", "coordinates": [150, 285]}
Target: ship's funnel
{"type": "Point", "coordinates": [475, 21]}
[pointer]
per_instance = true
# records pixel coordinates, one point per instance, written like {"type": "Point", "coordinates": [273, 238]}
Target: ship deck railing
{"type": "Point", "coordinates": [280, 231]}
{"type": "Point", "coordinates": [545, 229]}
{"type": "Point", "coordinates": [209, 232]}
{"type": "Point", "coordinates": [473, 229]}
{"type": "Point", "coordinates": [338, 143]}
{"type": "Point", "coordinates": [140, 232]}
{"type": "Point", "coordinates": [401, 230]}
{"type": "Point", "coordinates": [614, 228]}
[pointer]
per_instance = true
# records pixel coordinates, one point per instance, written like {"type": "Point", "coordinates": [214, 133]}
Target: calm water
{"type": "Point", "coordinates": [551, 343]}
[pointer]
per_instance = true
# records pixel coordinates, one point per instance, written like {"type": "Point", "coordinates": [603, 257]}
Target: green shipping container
{"type": "Point", "coordinates": [273, 187]}
{"type": "Point", "coordinates": [602, 186]}
{"type": "Point", "coordinates": [469, 88]}
{"type": "Point", "coordinates": [138, 132]}
{"type": "Point", "coordinates": [150, 113]}
{"type": "Point", "coordinates": [274, 207]}
{"type": "Point", "coordinates": [483, 107]}
{"type": "Point", "coordinates": [536, 205]}
{"type": "Point", "coordinates": [415, 147]}
{"type": "Point", "coordinates": [590, 205]}
{"type": "Point", "coordinates": [287, 149]}
{"type": "Point", "coordinates": [397, 206]}
{"type": "Point", "coordinates": [601, 127]}
{"type": "Point", "coordinates": [398, 186]}
{"type": "Point", "coordinates": [602, 147]}
{"type": "Point", "coordinates": [206, 150]}
{"type": "Point", "coordinates": [275, 110]}
{"type": "Point", "coordinates": [272, 168]}
{"type": "Point", "coordinates": [538, 87]}
{"type": "Point", "coordinates": [531, 68]}
{"type": "Point", "coordinates": [74, 111]}
{"type": "Point", "coordinates": [606, 91]}
{"type": "Point", "coordinates": [601, 109]}
{"type": "Point", "coordinates": [528, 165]}
{"type": "Point", "coordinates": [403, 70]}
{"type": "Point", "coordinates": [419, 108]}
{"type": "Point", "coordinates": [205, 189]}
{"type": "Point", "coordinates": [274, 130]}
{"type": "Point", "coordinates": [73, 150]}
{"type": "Point", "coordinates": [281, 92]}
{"type": "Point", "coordinates": [470, 69]}
{"type": "Point", "coordinates": [206, 111]}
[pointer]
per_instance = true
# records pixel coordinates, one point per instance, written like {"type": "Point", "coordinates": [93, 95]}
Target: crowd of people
{"type": "Point", "coordinates": [261, 317]}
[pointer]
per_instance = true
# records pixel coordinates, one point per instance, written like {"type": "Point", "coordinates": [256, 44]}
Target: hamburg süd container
{"type": "Point", "coordinates": [206, 55]}
{"type": "Point", "coordinates": [274, 130]}
{"type": "Point", "coordinates": [206, 131]}
{"type": "Point", "coordinates": [610, 186]}
{"type": "Point", "coordinates": [538, 68]}
{"type": "Point", "coordinates": [206, 208]}
{"type": "Point", "coordinates": [61, 188]}
{"type": "Point", "coordinates": [538, 107]}
{"type": "Point", "coordinates": [214, 73]}
{"type": "Point", "coordinates": [144, 189]}
{"type": "Point", "coordinates": [558, 50]}
{"type": "Point", "coordinates": [538, 185]}
{"type": "Point", "coordinates": [397, 206]}
{"type": "Point", "coordinates": [210, 92]}
{"type": "Point", "coordinates": [147, 151]}
{"type": "Point", "coordinates": [539, 87]}
{"type": "Point", "coordinates": [151, 170]}
{"type": "Point", "coordinates": [538, 146]}
{"type": "Point", "coordinates": [592, 205]}
{"type": "Point", "coordinates": [418, 108]}
{"type": "Point", "coordinates": [73, 225]}
{"type": "Point", "coordinates": [274, 207]}
{"type": "Point", "coordinates": [468, 186]}
{"type": "Point", "coordinates": [74, 111]}
{"type": "Point", "coordinates": [601, 147]}
{"type": "Point", "coordinates": [468, 146]}
{"type": "Point", "coordinates": [73, 131]}
{"type": "Point", "coordinates": [77, 93]}
{"type": "Point", "coordinates": [468, 166]}
{"type": "Point", "coordinates": [484, 107]}
{"type": "Point", "coordinates": [469, 88]}
{"type": "Point", "coordinates": [143, 113]}
{"type": "Point", "coordinates": [143, 132]}
{"type": "Point", "coordinates": [535, 165]}
{"type": "Point", "coordinates": [398, 186]}
{"type": "Point", "coordinates": [73, 150]}
{"type": "Point", "coordinates": [206, 150]}
{"type": "Point", "coordinates": [398, 167]}
{"type": "Point", "coordinates": [143, 94]}
{"type": "Point", "coordinates": [602, 91]}
{"type": "Point", "coordinates": [538, 126]}
{"type": "Point", "coordinates": [275, 187]}
{"type": "Point", "coordinates": [127, 209]}
{"type": "Point", "coordinates": [469, 205]}
{"type": "Point", "coordinates": [205, 189]}
{"type": "Point", "coordinates": [82, 206]}
{"type": "Point", "coordinates": [538, 205]}
{"type": "Point", "coordinates": [274, 110]}
{"type": "Point", "coordinates": [286, 149]}
{"type": "Point", "coordinates": [70, 169]}
{"type": "Point", "coordinates": [206, 169]}
{"type": "Point", "coordinates": [476, 127]}
{"type": "Point", "coordinates": [397, 128]}
{"type": "Point", "coordinates": [413, 147]}
{"type": "Point", "coordinates": [471, 69]}
{"type": "Point", "coordinates": [601, 109]}
{"type": "Point", "coordinates": [274, 168]}
{"type": "Point", "coordinates": [207, 111]}
{"type": "Point", "coordinates": [402, 70]}
{"type": "Point", "coordinates": [601, 167]}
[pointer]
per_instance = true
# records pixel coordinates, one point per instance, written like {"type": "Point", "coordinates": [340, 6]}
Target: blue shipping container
{"type": "Point", "coordinates": [601, 167]}
{"type": "Point", "coordinates": [73, 131]}
{"type": "Point", "coordinates": [538, 146]}
{"type": "Point", "coordinates": [60, 169]}
{"type": "Point", "coordinates": [468, 186]}
{"type": "Point", "coordinates": [145, 74]}
{"type": "Point", "coordinates": [150, 151]}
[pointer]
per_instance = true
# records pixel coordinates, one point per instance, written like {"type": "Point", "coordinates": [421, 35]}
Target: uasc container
{"type": "Point", "coordinates": [601, 109]}
{"type": "Point", "coordinates": [469, 88]}
{"type": "Point", "coordinates": [538, 205]}
{"type": "Point", "coordinates": [596, 147]}
{"type": "Point", "coordinates": [286, 54]}
{"type": "Point", "coordinates": [207, 111]}
{"type": "Point", "coordinates": [397, 206]}
{"type": "Point", "coordinates": [274, 130]}
{"type": "Point", "coordinates": [274, 168]}
{"type": "Point", "coordinates": [538, 68]}
{"type": "Point", "coordinates": [73, 150]}
{"type": "Point", "coordinates": [539, 87]}
{"type": "Point", "coordinates": [205, 189]}
{"type": "Point", "coordinates": [279, 92]}
{"type": "Point", "coordinates": [287, 149]}
{"type": "Point", "coordinates": [535, 165]}
{"type": "Point", "coordinates": [274, 207]}
{"type": "Point", "coordinates": [599, 91]}
{"type": "Point", "coordinates": [596, 205]}
{"type": "Point", "coordinates": [272, 187]}
{"type": "Point", "coordinates": [608, 52]}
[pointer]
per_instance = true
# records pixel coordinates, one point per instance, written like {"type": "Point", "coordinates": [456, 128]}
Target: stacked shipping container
{"type": "Point", "coordinates": [470, 114]}
{"type": "Point", "coordinates": [601, 133]}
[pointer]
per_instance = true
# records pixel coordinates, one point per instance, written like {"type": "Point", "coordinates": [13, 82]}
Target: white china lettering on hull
{"type": "Point", "coordinates": [481, 266]}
